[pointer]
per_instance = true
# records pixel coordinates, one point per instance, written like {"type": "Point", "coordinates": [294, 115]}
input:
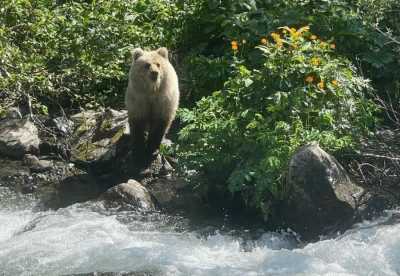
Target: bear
{"type": "Point", "coordinates": [151, 98]}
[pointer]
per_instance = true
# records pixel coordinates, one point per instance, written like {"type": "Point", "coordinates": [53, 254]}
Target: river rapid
{"type": "Point", "coordinates": [88, 237]}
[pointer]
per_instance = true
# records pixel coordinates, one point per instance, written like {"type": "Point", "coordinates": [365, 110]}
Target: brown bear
{"type": "Point", "coordinates": [152, 98]}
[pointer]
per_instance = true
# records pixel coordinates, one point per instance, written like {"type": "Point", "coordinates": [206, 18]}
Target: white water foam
{"type": "Point", "coordinates": [79, 240]}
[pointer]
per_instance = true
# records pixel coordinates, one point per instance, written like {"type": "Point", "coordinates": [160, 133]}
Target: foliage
{"type": "Point", "coordinates": [269, 99]}
{"type": "Point", "coordinates": [77, 53]}
{"type": "Point", "coordinates": [301, 91]}
{"type": "Point", "coordinates": [352, 24]}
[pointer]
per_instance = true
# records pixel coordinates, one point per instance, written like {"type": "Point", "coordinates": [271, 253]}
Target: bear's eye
{"type": "Point", "coordinates": [147, 66]}
{"type": "Point", "coordinates": [158, 65]}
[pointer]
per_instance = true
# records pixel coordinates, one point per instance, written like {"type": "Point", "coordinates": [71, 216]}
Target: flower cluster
{"type": "Point", "coordinates": [307, 46]}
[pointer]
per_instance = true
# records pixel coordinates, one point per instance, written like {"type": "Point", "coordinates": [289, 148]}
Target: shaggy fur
{"type": "Point", "coordinates": [152, 98]}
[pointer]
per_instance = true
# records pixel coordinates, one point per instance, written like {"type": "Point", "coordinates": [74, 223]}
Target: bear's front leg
{"type": "Point", "coordinates": [157, 131]}
{"type": "Point", "coordinates": [137, 132]}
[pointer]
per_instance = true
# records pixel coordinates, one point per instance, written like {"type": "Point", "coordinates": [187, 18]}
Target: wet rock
{"type": "Point", "coordinates": [322, 197]}
{"type": "Point", "coordinates": [18, 137]}
{"type": "Point", "coordinates": [131, 193]}
{"type": "Point", "coordinates": [174, 194]}
{"type": "Point", "coordinates": [35, 164]}
{"type": "Point", "coordinates": [76, 186]}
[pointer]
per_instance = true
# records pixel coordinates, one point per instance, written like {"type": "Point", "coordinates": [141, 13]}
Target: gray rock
{"type": "Point", "coordinates": [35, 164]}
{"type": "Point", "coordinates": [13, 113]}
{"type": "Point", "coordinates": [18, 137]}
{"type": "Point", "coordinates": [322, 197]}
{"type": "Point", "coordinates": [63, 125]}
{"type": "Point", "coordinates": [111, 122]}
{"type": "Point", "coordinates": [96, 134]}
{"type": "Point", "coordinates": [77, 186]}
{"type": "Point", "coordinates": [176, 195]}
{"type": "Point", "coordinates": [87, 116]}
{"type": "Point", "coordinates": [132, 193]}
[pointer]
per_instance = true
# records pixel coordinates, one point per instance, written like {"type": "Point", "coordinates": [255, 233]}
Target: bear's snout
{"type": "Point", "coordinates": [154, 75]}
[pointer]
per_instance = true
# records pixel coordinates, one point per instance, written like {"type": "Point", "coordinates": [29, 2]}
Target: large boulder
{"type": "Point", "coordinates": [96, 134]}
{"type": "Point", "coordinates": [131, 193]}
{"type": "Point", "coordinates": [18, 137]}
{"type": "Point", "coordinates": [322, 197]}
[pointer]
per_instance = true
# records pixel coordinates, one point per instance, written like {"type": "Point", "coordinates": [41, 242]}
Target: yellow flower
{"type": "Point", "coordinates": [315, 61]}
{"type": "Point", "coordinates": [333, 46]}
{"type": "Point", "coordinates": [313, 37]}
{"type": "Point", "coordinates": [321, 85]}
{"type": "Point", "coordinates": [334, 82]}
{"type": "Point", "coordinates": [277, 38]}
{"type": "Point", "coordinates": [293, 30]}
{"type": "Point", "coordinates": [309, 79]}
{"type": "Point", "coordinates": [264, 41]}
{"type": "Point", "coordinates": [234, 45]}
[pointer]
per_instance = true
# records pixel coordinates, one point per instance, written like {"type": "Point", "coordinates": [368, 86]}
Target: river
{"type": "Point", "coordinates": [88, 237]}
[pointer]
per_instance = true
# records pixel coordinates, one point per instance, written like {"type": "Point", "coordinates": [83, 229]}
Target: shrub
{"type": "Point", "coordinates": [352, 23]}
{"type": "Point", "coordinates": [77, 53]}
{"type": "Point", "coordinates": [242, 136]}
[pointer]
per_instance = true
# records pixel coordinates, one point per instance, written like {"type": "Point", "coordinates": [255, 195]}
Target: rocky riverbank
{"type": "Point", "coordinates": [87, 156]}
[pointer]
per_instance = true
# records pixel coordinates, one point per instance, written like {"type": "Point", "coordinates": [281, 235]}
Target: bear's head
{"type": "Point", "coordinates": [150, 65]}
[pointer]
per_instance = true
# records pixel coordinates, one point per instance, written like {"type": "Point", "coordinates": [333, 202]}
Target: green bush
{"type": "Point", "coordinates": [352, 23]}
{"type": "Point", "coordinates": [242, 136]}
{"type": "Point", "coordinates": [78, 53]}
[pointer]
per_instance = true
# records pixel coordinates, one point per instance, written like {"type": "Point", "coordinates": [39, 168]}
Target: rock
{"type": "Point", "coordinates": [131, 193]}
{"type": "Point", "coordinates": [174, 194]}
{"type": "Point", "coordinates": [20, 177]}
{"type": "Point", "coordinates": [110, 123]}
{"type": "Point", "coordinates": [62, 125]}
{"type": "Point", "coordinates": [58, 149]}
{"type": "Point", "coordinates": [87, 117]}
{"type": "Point", "coordinates": [96, 135]}
{"type": "Point", "coordinates": [36, 165]}
{"type": "Point", "coordinates": [159, 166]}
{"type": "Point", "coordinates": [18, 137]}
{"type": "Point", "coordinates": [13, 113]}
{"type": "Point", "coordinates": [102, 145]}
{"type": "Point", "coordinates": [322, 197]}
{"type": "Point", "coordinates": [11, 168]}
{"type": "Point", "coordinates": [76, 186]}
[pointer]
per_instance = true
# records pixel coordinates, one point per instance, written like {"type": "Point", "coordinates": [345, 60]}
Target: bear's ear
{"type": "Point", "coordinates": [163, 52]}
{"type": "Point", "coordinates": [137, 53]}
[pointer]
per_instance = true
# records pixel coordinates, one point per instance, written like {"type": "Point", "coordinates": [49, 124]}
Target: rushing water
{"type": "Point", "coordinates": [87, 237]}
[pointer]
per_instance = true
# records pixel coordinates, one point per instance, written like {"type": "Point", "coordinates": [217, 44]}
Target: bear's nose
{"type": "Point", "coordinates": [154, 75]}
